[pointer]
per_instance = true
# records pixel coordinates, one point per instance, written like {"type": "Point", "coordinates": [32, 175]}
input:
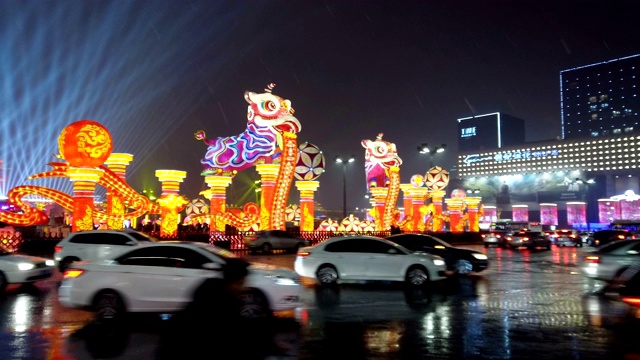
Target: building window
{"type": "Point", "coordinates": [617, 131]}
{"type": "Point", "coordinates": [604, 97]}
{"type": "Point", "coordinates": [594, 116]}
{"type": "Point", "coordinates": [628, 129]}
{"type": "Point", "coordinates": [593, 99]}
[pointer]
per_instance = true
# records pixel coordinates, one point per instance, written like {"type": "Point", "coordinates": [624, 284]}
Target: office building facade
{"type": "Point", "coordinates": [601, 99]}
{"type": "Point", "coordinates": [489, 131]}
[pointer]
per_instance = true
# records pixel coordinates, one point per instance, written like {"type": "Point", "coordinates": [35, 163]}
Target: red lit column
{"type": "Point", "coordinates": [84, 186]}
{"type": "Point", "coordinates": [115, 204]}
{"type": "Point", "coordinates": [307, 189]}
{"type": "Point", "coordinates": [171, 203]}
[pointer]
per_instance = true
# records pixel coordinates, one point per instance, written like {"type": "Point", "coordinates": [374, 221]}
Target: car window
{"type": "Point", "coordinates": [141, 236]}
{"type": "Point", "coordinates": [164, 256]}
{"type": "Point", "coordinates": [613, 246]}
{"type": "Point", "coordinates": [348, 245]}
{"type": "Point", "coordinates": [114, 239]}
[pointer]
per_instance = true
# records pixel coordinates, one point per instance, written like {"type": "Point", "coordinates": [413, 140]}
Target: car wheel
{"type": "Point", "coordinates": [417, 276]}
{"type": "Point", "coordinates": [266, 248]}
{"type": "Point", "coordinates": [65, 263]}
{"type": "Point", "coordinates": [463, 267]}
{"type": "Point", "coordinates": [327, 275]}
{"type": "Point", "coordinates": [3, 281]}
{"type": "Point", "coordinates": [108, 306]}
{"type": "Point", "coordinates": [254, 304]}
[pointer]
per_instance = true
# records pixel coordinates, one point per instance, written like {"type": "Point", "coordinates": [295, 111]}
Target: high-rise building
{"type": "Point", "coordinates": [489, 131]}
{"type": "Point", "coordinates": [601, 99]}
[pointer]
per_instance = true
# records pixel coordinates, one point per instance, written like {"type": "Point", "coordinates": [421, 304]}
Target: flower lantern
{"type": "Point", "coordinates": [85, 143]}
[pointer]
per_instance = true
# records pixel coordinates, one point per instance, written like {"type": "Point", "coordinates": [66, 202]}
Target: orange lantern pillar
{"type": "Point", "coordinates": [117, 162]}
{"type": "Point", "coordinates": [217, 195]}
{"type": "Point", "coordinates": [171, 203]}
{"type": "Point", "coordinates": [473, 205]}
{"type": "Point", "coordinates": [380, 197]}
{"type": "Point", "coordinates": [307, 189]}
{"type": "Point", "coordinates": [455, 205]}
{"type": "Point", "coordinates": [85, 145]}
{"type": "Point", "coordinates": [437, 197]}
{"type": "Point", "coordinates": [419, 195]}
{"type": "Point", "coordinates": [268, 174]}
{"type": "Point", "coordinates": [408, 205]}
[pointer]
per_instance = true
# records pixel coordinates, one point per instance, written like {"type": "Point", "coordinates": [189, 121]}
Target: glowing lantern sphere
{"type": "Point", "coordinates": [437, 178]}
{"type": "Point", "coordinates": [85, 143]}
{"type": "Point", "coordinates": [310, 163]}
{"type": "Point", "coordinates": [417, 180]}
{"type": "Point", "coordinates": [458, 194]}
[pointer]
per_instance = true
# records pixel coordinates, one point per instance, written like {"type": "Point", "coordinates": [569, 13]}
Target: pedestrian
{"type": "Point", "coordinates": [213, 325]}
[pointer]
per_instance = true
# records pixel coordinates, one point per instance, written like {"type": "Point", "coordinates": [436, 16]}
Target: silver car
{"type": "Point", "coordinates": [268, 240]}
{"type": "Point", "coordinates": [609, 261]}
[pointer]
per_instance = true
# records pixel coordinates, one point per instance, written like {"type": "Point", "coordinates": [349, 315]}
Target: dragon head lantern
{"type": "Point", "coordinates": [269, 116]}
{"type": "Point", "coordinates": [379, 157]}
{"type": "Point", "coordinates": [85, 143]}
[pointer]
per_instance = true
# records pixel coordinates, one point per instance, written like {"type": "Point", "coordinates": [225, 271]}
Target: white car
{"type": "Point", "coordinates": [162, 277]}
{"type": "Point", "coordinates": [23, 269]}
{"type": "Point", "coordinates": [96, 245]}
{"type": "Point", "coordinates": [611, 260]}
{"type": "Point", "coordinates": [367, 258]}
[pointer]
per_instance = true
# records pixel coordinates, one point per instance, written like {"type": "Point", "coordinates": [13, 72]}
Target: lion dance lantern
{"type": "Point", "coordinates": [270, 138]}
{"type": "Point", "coordinates": [382, 168]}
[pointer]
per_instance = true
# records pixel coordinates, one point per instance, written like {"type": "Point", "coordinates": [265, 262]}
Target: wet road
{"type": "Point", "coordinates": [527, 305]}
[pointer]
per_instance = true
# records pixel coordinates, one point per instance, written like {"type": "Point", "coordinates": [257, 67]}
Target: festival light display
{"type": "Point", "coordinates": [382, 169]}
{"type": "Point", "coordinates": [86, 147]}
{"type": "Point", "coordinates": [170, 201]}
{"type": "Point", "coordinates": [270, 144]}
{"type": "Point", "coordinates": [309, 167]}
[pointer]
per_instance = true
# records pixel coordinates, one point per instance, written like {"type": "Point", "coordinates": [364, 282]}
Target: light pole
{"type": "Point", "coordinates": [344, 163]}
{"type": "Point", "coordinates": [424, 148]}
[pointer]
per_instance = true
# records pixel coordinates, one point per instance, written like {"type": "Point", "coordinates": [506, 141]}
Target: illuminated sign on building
{"type": "Point", "coordinates": [510, 155]}
{"type": "Point", "coordinates": [468, 132]}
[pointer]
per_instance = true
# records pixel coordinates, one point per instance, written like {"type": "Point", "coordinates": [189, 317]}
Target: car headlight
{"type": "Point", "coordinates": [479, 256]}
{"type": "Point", "coordinates": [281, 280]}
{"type": "Point", "coordinates": [25, 266]}
{"type": "Point", "coordinates": [438, 262]}
{"type": "Point", "coordinates": [50, 263]}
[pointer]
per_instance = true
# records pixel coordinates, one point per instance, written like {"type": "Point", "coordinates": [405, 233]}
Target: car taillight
{"type": "Point", "coordinates": [303, 253]}
{"type": "Point", "coordinates": [632, 300]}
{"type": "Point", "coordinates": [525, 239]}
{"type": "Point", "coordinates": [508, 238]}
{"type": "Point", "coordinates": [72, 273]}
{"type": "Point", "coordinates": [592, 259]}
{"type": "Point", "coordinates": [58, 248]}
{"type": "Point", "coordinates": [498, 236]}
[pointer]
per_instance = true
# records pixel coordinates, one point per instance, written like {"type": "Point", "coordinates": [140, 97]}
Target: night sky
{"type": "Point", "coordinates": [154, 72]}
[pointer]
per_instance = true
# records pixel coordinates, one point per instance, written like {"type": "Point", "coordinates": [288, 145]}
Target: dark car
{"type": "Point", "coordinates": [603, 237]}
{"type": "Point", "coordinates": [529, 239]}
{"type": "Point", "coordinates": [568, 237]}
{"type": "Point", "coordinates": [459, 260]}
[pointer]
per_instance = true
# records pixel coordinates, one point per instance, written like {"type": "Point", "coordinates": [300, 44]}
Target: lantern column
{"type": "Point", "coordinates": [268, 174]}
{"type": "Point", "coordinates": [171, 203]}
{"type": "Point", "coordinates": [116, 204]}
{"type": "Point", "coordinates": [307, 189]}
{"type": "Point", "coordinates": [380, 197]}
{"type": "Point", "coordinates": [437, 197]}
{"type": "Point", "coordinates": [408, 206]}
{"type": "Point", "coordinates": [473, 205]}
{"type": "Point", "coordinates": [419, 194]}
{"type": "Point", "coordinates": [455, 205]}
{"type": "Point", "coordinates": [217, 196]}
{"type": "Point", "coordinates": [84, 186]}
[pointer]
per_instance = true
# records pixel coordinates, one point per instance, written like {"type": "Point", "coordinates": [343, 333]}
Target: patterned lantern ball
{"type": "Point", "coordinates": [197, 206]}
{"type": "Point", "coordinates": [85, 143]}
{"type": "Point", "coordinates": [417, 180]}
{"type": "Point", "coordinates": [458, 194]}
{"type": "Point", "coordinates": [310, 163]}
{"type": "Point", "coordinates": [437, 178]}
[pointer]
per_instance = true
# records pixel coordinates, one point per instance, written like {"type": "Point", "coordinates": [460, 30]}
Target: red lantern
{"type": "Point", "coordinates": [85, 143]}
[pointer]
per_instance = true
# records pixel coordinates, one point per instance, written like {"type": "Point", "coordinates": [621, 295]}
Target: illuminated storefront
{"type": "Point", "coordinates": [571, 174]}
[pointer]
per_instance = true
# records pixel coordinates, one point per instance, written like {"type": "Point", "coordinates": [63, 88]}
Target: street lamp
{"type": "Point", "coordinates": [344, 162]}
{"type": "Point", "coordinates": [258, 188]}
{"type": "Point", "coordinates": [424, 148]}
